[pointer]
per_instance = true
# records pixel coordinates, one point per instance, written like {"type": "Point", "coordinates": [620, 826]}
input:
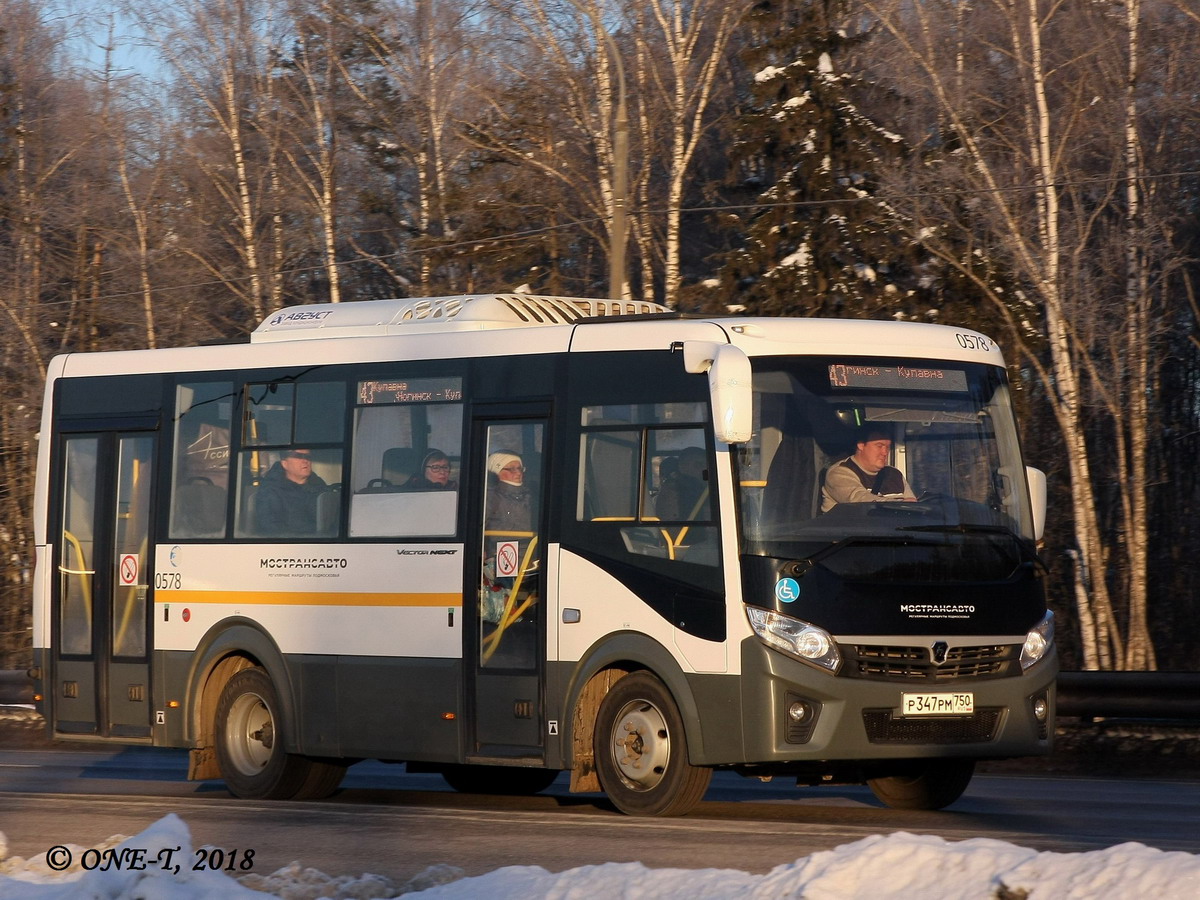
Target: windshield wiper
{"type": "Point", "coordinates": [960, 528]}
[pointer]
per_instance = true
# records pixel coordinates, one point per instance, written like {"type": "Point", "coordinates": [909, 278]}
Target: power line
{"type": "Point", "coordinates": [514, 236]}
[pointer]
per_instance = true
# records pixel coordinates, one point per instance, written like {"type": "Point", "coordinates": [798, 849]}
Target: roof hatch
{"type": "Point", "coordinates": [467, 312]}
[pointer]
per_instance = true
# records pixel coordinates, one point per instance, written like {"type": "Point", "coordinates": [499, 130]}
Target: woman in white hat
{"type": "Point", "coordinates": [509, 501]}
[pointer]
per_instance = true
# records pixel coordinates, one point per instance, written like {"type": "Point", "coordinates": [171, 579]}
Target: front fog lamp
{"type": "Point", "coordinates": [1038, 641]}
{"type": "Point", "coordinates": [1041, 709]}
{"type": "Point", "coordinates": [795, 638]}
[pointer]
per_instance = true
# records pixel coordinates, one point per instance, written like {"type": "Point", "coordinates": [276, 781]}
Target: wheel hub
{"type": "Point", "coordinates": [641, 745]}
{"type": "Point", "coordinates": [252, 735]}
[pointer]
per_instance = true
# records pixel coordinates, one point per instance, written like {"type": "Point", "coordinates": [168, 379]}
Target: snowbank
{"type": "Point", "coordinates": [880, 867]}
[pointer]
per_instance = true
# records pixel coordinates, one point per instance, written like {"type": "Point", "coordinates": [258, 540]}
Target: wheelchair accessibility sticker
{"type": "Point", "coordinates": [787, 590]}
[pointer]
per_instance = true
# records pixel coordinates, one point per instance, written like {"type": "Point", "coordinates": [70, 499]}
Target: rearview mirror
{"type": "Point", "coordinates": [729, 379]}
{"type": "Point", "coordinates": [1037, 499]}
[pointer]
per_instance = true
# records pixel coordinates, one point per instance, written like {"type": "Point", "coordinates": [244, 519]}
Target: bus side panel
{"type": "Point", "coordinates": [347, 706]}
{"type": "Point", "coordinates": [395, 708]}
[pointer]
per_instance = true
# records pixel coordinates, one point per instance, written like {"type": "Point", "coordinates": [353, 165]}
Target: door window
{"type": "Point", "coordinates": [512, 549]}
{"type": "Point", "coordinates": [77, 563]}
{"type": "Point", "coordinates": [132, 531]}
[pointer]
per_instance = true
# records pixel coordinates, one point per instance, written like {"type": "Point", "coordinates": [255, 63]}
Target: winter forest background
{"type": "Point", "coordinates": [1029, 168]}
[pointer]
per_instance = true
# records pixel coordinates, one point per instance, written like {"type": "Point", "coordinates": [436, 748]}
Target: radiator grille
{"type": "Point", "coordinates": [915, 664]}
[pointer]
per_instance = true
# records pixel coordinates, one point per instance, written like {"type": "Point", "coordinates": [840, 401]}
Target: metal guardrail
{"type": "Point", "coordinates": [15, 687]}
{"type": "Point", "coordinates": [1136, 695]}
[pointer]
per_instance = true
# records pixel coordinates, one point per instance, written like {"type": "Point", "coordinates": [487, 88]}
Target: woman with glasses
{"type": "Point", "coordinates": [434, 474]}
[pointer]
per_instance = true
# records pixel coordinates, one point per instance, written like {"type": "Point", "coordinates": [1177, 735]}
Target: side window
{"type": "Point", "coordinates": [404, 472]}
{"type": "Point", "coordinates": [611, 463]}
{"type": "Point", "coordinates": [200, 474]}
{"type": "Point", "coordinates": [677, 474]}
{"type": "Point", "coordinates": [645, 477]}
{"type": "Point", "coordinates": [290, 459]}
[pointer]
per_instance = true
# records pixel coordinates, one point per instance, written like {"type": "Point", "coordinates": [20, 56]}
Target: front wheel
{"type": "Point", "coordinates": [641, 751]}
{"type": "Point", "coordinates": [250, 748]}
{"type": "Point", "coordinates": [923, 783]}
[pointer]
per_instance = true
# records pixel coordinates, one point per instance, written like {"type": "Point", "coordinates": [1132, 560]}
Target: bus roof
{"type": "Point", "coordinates": [466, 312]}
{"type": "Point", "coordinates": [486, 312]}
{"type": "Point", "coordinates": [473, 325]}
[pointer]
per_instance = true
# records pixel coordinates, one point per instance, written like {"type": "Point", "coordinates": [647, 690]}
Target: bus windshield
{"type": "Point", "coordinates": [885, 469]}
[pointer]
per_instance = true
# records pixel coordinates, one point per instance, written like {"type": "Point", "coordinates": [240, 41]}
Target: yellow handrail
{"type": "Point", "coordinates": [86, 585]}
{"type": "Point", "coordinates": [511, 611]}
{"type": "Point", "coordinates": [139, 506]}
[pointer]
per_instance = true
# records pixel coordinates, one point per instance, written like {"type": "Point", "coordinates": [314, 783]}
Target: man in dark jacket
{"type": "Point", "coordinates": [286, 503]}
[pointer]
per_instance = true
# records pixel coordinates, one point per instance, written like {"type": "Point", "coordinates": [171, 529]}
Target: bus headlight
{"type": "Point", "coordinates": [1038, 641]}
{"type": "Point", "coordinates": [795, 638]}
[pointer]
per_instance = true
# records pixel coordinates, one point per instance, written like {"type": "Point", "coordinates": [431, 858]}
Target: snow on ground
{"type": "Point", "coordinates": [880, 867]}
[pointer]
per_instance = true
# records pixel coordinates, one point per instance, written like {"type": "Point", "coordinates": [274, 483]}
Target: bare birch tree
{"type": "Point", "coordinates": [312, 73]}
{"type": "Point", "coordinates": [219, 52]}
{"type": "Point", "coordinates": [668, 56]}
{"type": "Point", "coordinates": [684, 80]}
{"type": "Point", "coordinates": [428, 56]}
{"type": "Point", "coordinates": [44, 139]}
{"type": "Point", "coordinates": [1034, 113]}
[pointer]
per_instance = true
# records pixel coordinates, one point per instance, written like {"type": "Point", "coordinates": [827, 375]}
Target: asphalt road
{"type": "Point", "coordinates": [388, 822]}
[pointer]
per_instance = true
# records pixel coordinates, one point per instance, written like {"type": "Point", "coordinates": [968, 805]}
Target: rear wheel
{"type": "Point", "coordinates": [923, 783]}
{"type": "Point", "coordinates": [250, 750]}
{"type": "Point", "coordinates": [323, 778]}
{"type": "Point", "coordinates": [502, 780]}
{"type": "Point", "coordinates": [641, 751]}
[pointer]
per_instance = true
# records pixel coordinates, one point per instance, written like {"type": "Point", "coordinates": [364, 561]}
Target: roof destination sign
{"type": "Point", "coordinates": [896, 378]}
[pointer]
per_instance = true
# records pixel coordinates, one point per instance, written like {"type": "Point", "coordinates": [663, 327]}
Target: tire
{"type": "Point", "coordinates": [641, 750]}
{"type": "Point", "coordinates": [323, 778]}
{"type": "Point", "coordinates": [923, 784]}
{"type": "Point", "coordinates": [498, 780]}
{"type": "Point", "coordinates": [250, 749]}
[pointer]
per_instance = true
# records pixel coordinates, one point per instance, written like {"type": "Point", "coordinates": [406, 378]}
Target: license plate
{"type": "Point", "coordinates": [957, 704]}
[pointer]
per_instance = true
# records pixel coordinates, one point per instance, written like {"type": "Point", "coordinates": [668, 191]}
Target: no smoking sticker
{"type": "Point", "coordinates": [506, 558]}
{"type": "Point", "coordinates": [128, 568]}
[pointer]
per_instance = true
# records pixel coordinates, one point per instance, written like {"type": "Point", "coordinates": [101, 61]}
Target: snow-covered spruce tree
{"type": "Point", "coordinates": [817, 237]}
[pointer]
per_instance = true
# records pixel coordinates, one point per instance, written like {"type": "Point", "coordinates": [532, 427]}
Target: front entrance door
{"type": "Point", "coordinates": [101, 604]}
{"type": "Point", "coordinates": [507, 636]}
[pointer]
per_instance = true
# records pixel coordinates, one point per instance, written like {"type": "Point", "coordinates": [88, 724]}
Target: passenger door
{"type": "Point", "coordinates": [101, 619]}
{"type": "Point", "coordinates": [505, 636]}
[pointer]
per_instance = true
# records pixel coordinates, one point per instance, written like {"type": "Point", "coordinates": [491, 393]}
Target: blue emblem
{"type": "Point", "coordinates": [787, 590]}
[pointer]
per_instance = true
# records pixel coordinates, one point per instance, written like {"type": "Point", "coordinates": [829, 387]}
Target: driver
{"type": "Point", "coordinates": [865, 477]}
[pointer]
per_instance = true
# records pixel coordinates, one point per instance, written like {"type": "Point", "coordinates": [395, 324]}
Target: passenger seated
{"type": "Point", "coordinates": [434, 474]}
{"type": "Point", "coordinates": [286, 502]}
{"type": "Point", "coordinates": [684, 493]}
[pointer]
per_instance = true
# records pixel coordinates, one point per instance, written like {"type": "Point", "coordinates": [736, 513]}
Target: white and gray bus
{"type": "Point", "coordinates": [503, 536]}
